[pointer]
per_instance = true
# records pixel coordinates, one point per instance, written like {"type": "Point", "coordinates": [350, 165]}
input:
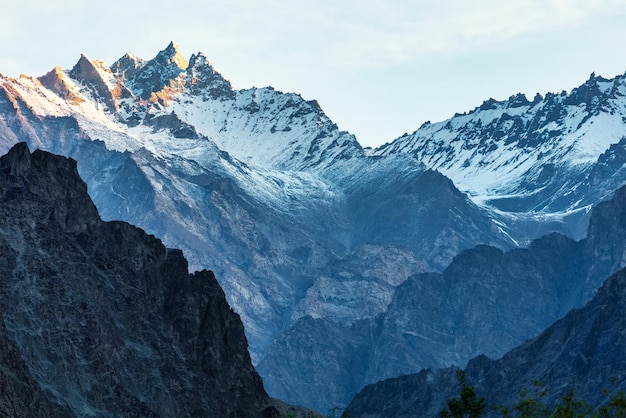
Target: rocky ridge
{"type": "Point", "coordinates": [552, 157]}
{"type": "Point", "coordinates": [584, 352]}
{"type": "Point", "coordinates": [100, 318]}
{"type": "Point", "coordinates": [291, 198]}
{"type": "Point", "coordinates": [486, 302]}
{"type": "Point", "coordinates": [261, 187]}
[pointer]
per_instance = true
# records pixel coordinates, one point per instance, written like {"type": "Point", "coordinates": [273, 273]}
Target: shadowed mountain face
{"type": "Point", "coordinates": [486, 302]}
{"type": "Point", "coordinates": [296, 219]}
{"type": "Point", "coordinates": [101, 318]}
{"type": "Point", "coordinates": [585, 352]}
{"type": "Point", "coordinates": [257, 185]}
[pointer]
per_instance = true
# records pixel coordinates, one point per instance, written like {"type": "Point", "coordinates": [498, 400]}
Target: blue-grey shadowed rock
{"type": "Point", "coordinates": [585, 352]}
{"type": "Point", "coordinates": [101, 318]}
{"type": "Point", "coordinates": [485, 303]}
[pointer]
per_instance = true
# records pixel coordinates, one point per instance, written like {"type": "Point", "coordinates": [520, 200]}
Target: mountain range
{"type": "Point", "coordinates": [486, 302]}
{"type": "Point", "coordinates": [101, 319]}
{"type": "Point", "coordinates": [583, 353]}
{"type": "Point", "coordinates": [269, 224]}
{"type": "Point", "coordinates": [551, 158]}
{"type": "Point", "coordinates": [301, 225]}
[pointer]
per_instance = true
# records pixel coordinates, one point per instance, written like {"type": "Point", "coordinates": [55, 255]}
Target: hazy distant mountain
{"type": "Point", "coordinates": [486, 302]}
{"type": "Point", "coordinates": [584, 352]}
{"type": "Point", "coordinates": [549, 159]}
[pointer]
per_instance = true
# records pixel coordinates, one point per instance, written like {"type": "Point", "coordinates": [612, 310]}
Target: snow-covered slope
{"type": "Point", "coordinates": [257, 185]}
{"type": "Point", "coordinates": [259, 126]}
{"type": "Point", "coordinates": [292, 215]}
{"type": "Point", "coordinates": [545, 158]}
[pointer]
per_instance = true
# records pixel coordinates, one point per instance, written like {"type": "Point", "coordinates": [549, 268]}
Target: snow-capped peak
{"type": "Point", "coordinates": [127, 65]}
{"type": "Point", "coordinates": [101, 81]}
{"type": "Point", "coordinates": [57, 81]}
{"type": "Point", "coordinates": [156, 73]}
{"type": "Point", "coordinates": [202, 79]}
{"type": "Point", "coordinates": [172, 54]}
{"type": "Point", "coordinates": [511, 150]}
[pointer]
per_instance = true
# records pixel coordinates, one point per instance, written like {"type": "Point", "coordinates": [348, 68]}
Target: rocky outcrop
{"type": "Point", "coordinates": [584, 352]}
{"type": "Point", "coordinates": [486, 302]}
{"type": "Point", "coordinates": [99, 79]}
{"type": "Point", "coordinates": [20, 394]}
{"type": "Point", "coordinates": [290, 212]}
{"type": "Point", "coordinates": [55, 81]}
{"type": "Point", "coordinates": [106, 320]}
{"type": "Point", "coordinates": [152, 76]}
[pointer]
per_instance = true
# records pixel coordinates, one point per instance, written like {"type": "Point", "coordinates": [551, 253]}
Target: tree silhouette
{"type": "Point", "coordinates": [467, 404]}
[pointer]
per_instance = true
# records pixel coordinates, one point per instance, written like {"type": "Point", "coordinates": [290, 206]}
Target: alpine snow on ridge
{"type": "Point", "coordinates": [258, 185]}
{"type": "Point", "coordinates": [295, 218]}
{"type": "Point", "coordinates": [543, 162]}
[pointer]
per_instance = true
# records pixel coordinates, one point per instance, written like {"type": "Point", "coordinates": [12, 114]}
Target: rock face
{"type": "Point", "coordinates": [295, 218]}
{"type": "Point", "coordinates": [101, 318]}
{"type": "Point", "coordinates": [257, 185]}
{"type": "Point", "coordinates": [585, 352]}
{"type": "Point", "coordinates": [486, 302]}
{"type": "Point", "coordinates": [554, 156]}
{"type": "Point", "coordinates": [20, 394]}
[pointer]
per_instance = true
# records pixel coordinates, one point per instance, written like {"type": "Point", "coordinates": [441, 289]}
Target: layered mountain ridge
{"type": "Point", "coordinates": [584, 352]}
{"type": "Point", "coordinates": [299, 223]}
{"type": "Point", "coordinates": [554, 156]}
{"type": "Point", "coordinates": [258, 185]}
{"type": "Point", "coordinates": [485, 303]}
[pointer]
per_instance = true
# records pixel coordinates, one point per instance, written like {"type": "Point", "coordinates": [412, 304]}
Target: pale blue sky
{"type": "Point", "coordinates": [378, 68]}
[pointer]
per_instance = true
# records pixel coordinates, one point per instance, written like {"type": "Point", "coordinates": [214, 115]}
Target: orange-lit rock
{"type": "Point", "coordinates": [55, 81]}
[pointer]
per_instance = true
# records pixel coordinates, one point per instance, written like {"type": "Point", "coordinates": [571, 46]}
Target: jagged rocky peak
{"type": "Point", "coordinates": [127, 65]}
{"type": "Point", "coordinates": [55, 180]}
{"type": "Point", "coordinates": [100, 81]}
{"type": "Point", "coordinates": [87, 71]}
{"type": "Point", "coordinates": [128, 331]}
{"type": "Point", "coordinates": [202, 77]}
{"type": "Point", "coordinates": [17, 161]}
{"type": "Point", "coordinates": [56, 81]}
{"type": "Point", "coordinates": [172, 55]}
{"type": "Point", "coordinates": [513, 102]}
{"type": "Point", "coordinates": [594, 92]}
{"type": "Point", "coordinates": [518, 100]}
{"type": "Point", "coordinates": [157, 73]}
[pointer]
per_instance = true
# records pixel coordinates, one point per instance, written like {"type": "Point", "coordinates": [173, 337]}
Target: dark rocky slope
{"type": "Point", "coordinates": [101, 318]}
{"type": "Point", "coordinates": [486, 302]}
{"type": "Point", "coordinates": [277, 241]}
{"type": "Point", "coordinates": [20, 394]}
{"type": "Point", "coordinates": [585, 352]}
